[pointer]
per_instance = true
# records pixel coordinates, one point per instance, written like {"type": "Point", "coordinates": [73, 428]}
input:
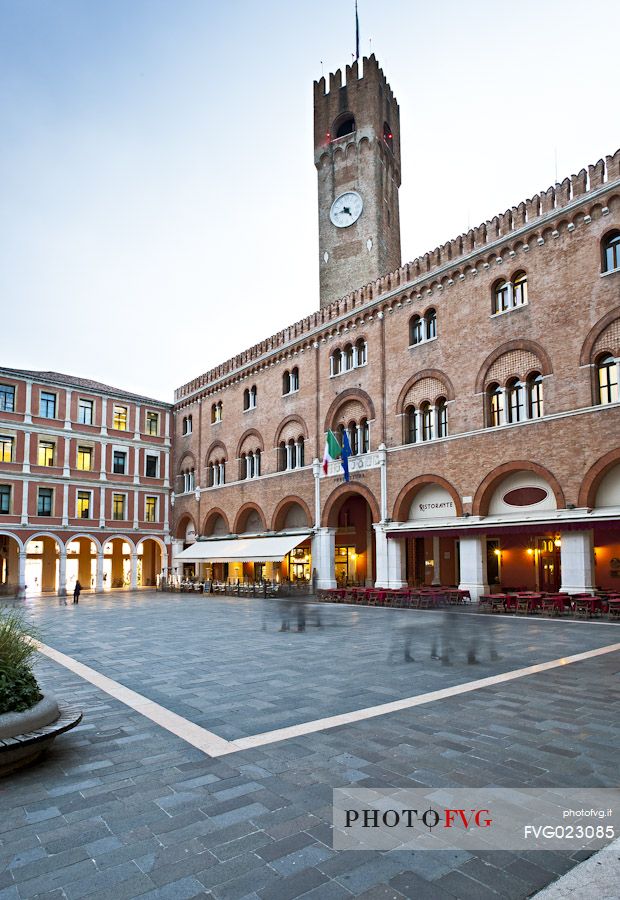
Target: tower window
{"type": "Point", "coordinates": [611, 252]}
{"type": "Point", "coordinates": [344, 127]}
{"type": "Point", "coordinates": [388, 137]}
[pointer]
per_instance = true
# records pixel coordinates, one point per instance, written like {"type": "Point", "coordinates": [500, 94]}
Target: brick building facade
{"type": "Point", "coordinates": [478, 385]}
{"type": "Point", "coordinates": [84, 484]}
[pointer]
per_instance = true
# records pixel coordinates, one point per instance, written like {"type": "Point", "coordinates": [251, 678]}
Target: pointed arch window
{"type": "Point", "coordinates": [501, 297]}
{"type": "Point", "coordinates": [430, 321]}
{"type": "Point", "coordinates": [515, 397]}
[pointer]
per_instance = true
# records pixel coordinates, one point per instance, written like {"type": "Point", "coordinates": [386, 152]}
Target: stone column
{"type": "Point", "coordinates": [68, 410]}
{"type": "Point", "coordinates": [62, 572]}
{"type": "Point", "coordinates": [104, 415]}
{"type": "Point", "coordinates": [133, 571]}
{"type": "Point", "coordinates": [28, 409]}
{"type": "Point", "coordinates": [474, 565]}
{"type": "Point", "coordinates": [136, 434]}
{"type": "Point", "coordinates": [436, 560]}
{"type": "Point", "coordinates": [26, 462]}
{"type": "Point", "coordinates": [66, 468]}
{"type": "Point", "coordinates": [390, 557]}
{"type": "Point", "coordinates": [383, 474]}
{"type": "Point", "coordinates": [65, 505]}
{"type": "Point", "coordinates": [21, 581]}
{"type": "Point", "coordinates": [503, 416]}
{"type": "Point", "coordinates": [577, 562]}
{"type": "Point", "coordinates": [323, 556]}
{"type": "Point", "coordinates": [289, 457]}
{"type": "Point", "coordinates": [24, 519]}
{"type": "Point", "coordinates": [99, 572]}
{"type": "Point", "coordinates": [316, 471]}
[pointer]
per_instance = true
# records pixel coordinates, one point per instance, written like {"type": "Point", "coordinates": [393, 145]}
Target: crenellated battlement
{"type": "Point", "coordinates": [540, 209]}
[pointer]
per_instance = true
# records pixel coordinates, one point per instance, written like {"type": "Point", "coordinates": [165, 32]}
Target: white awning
{"type": "Point", "coordinates": [243, 549]}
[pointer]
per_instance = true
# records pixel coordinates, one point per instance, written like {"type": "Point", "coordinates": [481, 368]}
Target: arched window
{"type": "Point", "coordinates": [430, 320]}
{"type": "Point", "coordinates": [501, 296]}
{"type": "Point", "coordinates": [426, 414]}
{"type": "Point", "coordinates": [253, 397]}
{"type": "Point", "coordinates": [388, 137]}
{"type": "Point", "coordinates": [353, 437]}
{"type": "Point", "coordinates": [294, 380]}
{"type": "Point", "coordinates": [282, 459]}
{"type": "Point", "coordinates": [535, 395]}
{"type": "Point", "coordinates": [360, 352]}
{"type": "Point", "coordinates": [334, 363]}
{"type": "Point", "coordinates": [188, 481]}
{"type": "Point", "coordinates": [411, 425]}
{"type": "Point", "coordinates": [347, 357]}
{"type": "Point", "coordinates": [300, 452]}
{"type": "Point", "coordinates": [345, 126]}
{"type": "Point", "coordinates": [216, 412]}
{"type": "Point", "coordinates": [441, 412]}
{"type": "Point", "coordinates": [246, 399]}
{"type": "Point", "coordinates": [416, 331]}
{"type": "Point", "coordinates": [515, 405]}
{"type": "Point", "coordinates": [365, 434]}
{"type": "Point", "coordinates": [257, 464]}
{"type": "Point", "coordinates": [184, 424]}
{"type": "Point", "coordinates": [519, 289]}
{"type": "Point", "coordinates": [607, 368]}
{"type": "Point", "coordinates": [286, 382]}
{"type": "Point", "coordinates": [611, 251]}
{"type": "Point", "coordinates": [496, 404]}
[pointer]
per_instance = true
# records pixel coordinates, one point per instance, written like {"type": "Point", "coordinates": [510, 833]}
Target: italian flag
{"type": "Point", "coordinates": [332, 450]}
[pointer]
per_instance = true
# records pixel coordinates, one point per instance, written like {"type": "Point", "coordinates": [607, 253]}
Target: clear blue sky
{"type": "Point", "coordinates": [158, 204]}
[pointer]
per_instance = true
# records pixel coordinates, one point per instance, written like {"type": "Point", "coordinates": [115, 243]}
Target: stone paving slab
{"type": "Point", "coordinates": [104, 816]}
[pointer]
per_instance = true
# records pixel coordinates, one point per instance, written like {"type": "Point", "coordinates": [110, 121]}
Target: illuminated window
{"type": "Point", "coordinates": [119, 462]}
{"type": "Point", "coordinates": [5, 498]}
{"type": "Point", "coordinates": [47, 451]}
{"type": "Point", "coordinates": [535, 395]}
{"type": "Point", "coordinates": [85, 412]}
{"type": "Point", "coordinates": [611, 252]}
{"type": "Point", "coordinates": [47, 405]}
{"type": "Point", "coordinates": [151, 509]}
{"type": "Point", "coordinates": [151, 466]}
{"type": "Point", "coordinates": [85, 459]}
{"type": "Point", "coordinates": [152, 423]}
{"type": "Point", "coordinates": [120, 418]}
{"type": "Point", "coordinates": [83, 504]}
{"type": "Point", "coordinates": [7, 398]}
{"type": "Point", "coordinates": [6, 449]}
{"type": "Point", "coordinates": [118, 506]}
{"type": "Point", "coordinates": [496, 404]}
{"type": "Point", "coordinates": [44, 502]}
{"type": "Point", "coordinates": [607, 379]}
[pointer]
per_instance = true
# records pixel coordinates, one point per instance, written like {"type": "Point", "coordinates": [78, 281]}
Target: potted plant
{"type": "Point", "coordinates": [29, 718]}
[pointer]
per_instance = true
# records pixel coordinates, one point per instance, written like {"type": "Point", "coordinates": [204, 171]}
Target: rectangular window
{"type": "Point", "coordinates": [151, 509]}
{"type": "Point", "coordinates": [85, 412]}
{"type": "Point", "coordinates": [47, 452]}
{"type": "Point", "coordinates": [119, 465]}
{"type": "Point", "coordinates": [120, 418]}
{"type": "Point", "coordinates": [85, 459]}
{"type": "Point", "coordinates": [152, 423]}
{"type": "Point", "coordinates": [44, 502]}
{"type": "Point", "coordinates": [151, 466]}
{"type": "Point", "coordinates": [47, 405]}
{"type": "Point", "coordinates": [5, 498]}
{"type": "Point", "coordinates": [7, 398]}
{"type": "Point", "coordinates": [83, 504]}
{"type": "Point", "coordinates": [118, 506]}
{"type": "Point", "coordinates": [6, 449]}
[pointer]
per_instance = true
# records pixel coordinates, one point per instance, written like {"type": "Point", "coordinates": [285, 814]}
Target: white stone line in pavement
{"type": "Point", "coordinates": [198, 737]}
{"type": "Point", "coordinates": [213, 745]}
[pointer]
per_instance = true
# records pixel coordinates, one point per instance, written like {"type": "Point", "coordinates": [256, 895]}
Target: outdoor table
{"type": "Point", "coordinates": [613, 608]}
{"type": "Point", "coordinates": [587, 606]}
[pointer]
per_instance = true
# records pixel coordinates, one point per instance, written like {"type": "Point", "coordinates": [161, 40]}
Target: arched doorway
{"type": "Point", "coordinates": [10, 549]}
{"type": "Point", "coordinates": [42, 564]}
{"type": "Point", "coordinates": [350, 513]}
{"type": "Point", "coordinates": [150, 558]}
{"type": "Point", "coordinates": [292, 514]}
{"type": "Point", "coordinates": [81, 563]}
{"type": "Point", "coordinates": [117, 563]}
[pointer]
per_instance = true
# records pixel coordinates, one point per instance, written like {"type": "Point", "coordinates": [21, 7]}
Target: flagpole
{"type": "Point", "coordinates": [357, 34]}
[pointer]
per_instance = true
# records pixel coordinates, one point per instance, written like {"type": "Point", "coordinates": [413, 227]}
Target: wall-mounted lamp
{"type": "Point", "coordinates": [557, 542]}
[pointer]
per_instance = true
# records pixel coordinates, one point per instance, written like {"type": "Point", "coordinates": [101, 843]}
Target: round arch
{"type": "Point", "coordinates": [188, 457]}
{"type": "Point", "coordinates": [486, 488]}
{"type": "Point", "coordinates": [242, 515]}
{"type": "Point", "coordinates": [287, 421]}
{"type": "Point", "coordinates": [213, 514]}
{"type": "Point", "coordinates": [47, 534]}
{"type": "Point", "coordinates": [425, 373]}
{"type": "Point", "coordinates": [158, 541]}
{"type": "Point", "coordinates": [18, 541]}
{"type": "Point", "coordinates": [585, 357]}
{"type": "Point", "coordinates": [119, 537]}
{"type": "Point", "coordinates": [90, 537]}
{"type": "Point", "coordinates": [532, 346]}
{"type": "Point", "coordinates": [250, 432]}
{"type": "Point", "coordinates": [277, 520]}
{"type": "Point", "coordinates": [216, 445]}
{"type": "Point", "coordinates": [408, 492]}
{"type": "Point", "coordinates": [181, 528]}
{"type": "Point", "coordinates": [342, 493]}
{"type": "Point", "coordinates": [343, 397]}
{"type": "Point", "coordinates": [594, 476]}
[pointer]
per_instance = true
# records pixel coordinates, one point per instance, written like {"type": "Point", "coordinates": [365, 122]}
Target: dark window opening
{"type": "Point", "coordinates": [347, 126]}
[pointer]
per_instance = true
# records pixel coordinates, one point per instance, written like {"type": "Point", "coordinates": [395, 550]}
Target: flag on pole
{"type": "Point", "coordinates": [332, 450]}
{"type": "Point", "coordinates": [357, 35]}
{"type": "Point", "coordinates": [346, 453]}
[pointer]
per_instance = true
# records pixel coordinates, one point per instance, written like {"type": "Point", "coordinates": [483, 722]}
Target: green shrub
{"type": "Point", "coordinates": [18, 686]}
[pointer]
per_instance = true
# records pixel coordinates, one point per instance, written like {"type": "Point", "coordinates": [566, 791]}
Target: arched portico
{"type": "Point", "coordinates": [12, 563]}
{"type": "Point", "coordinates": [120, 563]}
{"type": "Point", "coordinates": [343, 550]}
{"type": "Point", "coordinates": [43, 553]}
{"type": "Point", "coordinates": [151, 553]}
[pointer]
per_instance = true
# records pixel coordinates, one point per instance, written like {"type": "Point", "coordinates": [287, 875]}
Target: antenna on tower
{"type": "Point", "coordinates": [357, 33]}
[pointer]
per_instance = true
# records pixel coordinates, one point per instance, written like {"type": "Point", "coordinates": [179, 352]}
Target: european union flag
{"type": "Point", "coordinates": [345, 454]}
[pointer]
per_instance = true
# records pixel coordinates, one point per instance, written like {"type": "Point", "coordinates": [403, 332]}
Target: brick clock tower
{"type": "Point", "coordinates": [357, 156]}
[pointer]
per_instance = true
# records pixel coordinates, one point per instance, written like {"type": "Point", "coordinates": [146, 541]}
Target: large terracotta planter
{"type": "Point", "coordinates": [26, 735]}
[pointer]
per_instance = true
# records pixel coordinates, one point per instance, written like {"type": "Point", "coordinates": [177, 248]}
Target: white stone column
{"type": "Point", "coordinates": [436, 560]}
{"type": "Point", "coordinates": [66, 467]}
{"type": "Point", "coordinates": [136, 465]}
{"type": "Point", "coordinates": [62, 572]}
{"type": "Point", "coordinates": [418, 426]}
{"type": "Point", "coordinates": [21, 580]}
{"type": "Point", "coordinates": [221, 472]}
{"type": "Point", "coordinates": [503, 416]}
{"type": "Point", "coordinates": [177, 547]}
{"type": "Point", "coordinates": [323, 557]}
{"type": "Point", "coordinates": [137, 424]}
{"type": "Point", "coordinates": [360, 438]}
{"type": "Point", "coordinates": [102, 469]}
{"type": "Point", "coordinates": [99, 572]}
{"type": "Point", "coordinates": [474, 565]}
{"type": "Point", "coordinates": [104, 415]}
{"type": "Point", "coordinates": [383, 475]}
{"type": "Point", "coordinates": [166, 467]}
{"type": "Point", "coordinates": [65, 505]}
{"type": "Point", "coordinates": [28, 409]}
{"type": "Point", "coordinates": [577, 562]}
{"type": "Point", "coordinates": [289, 457]}
{"type": "Point", "coordinates": [102, 507]}
{"type": "Point", "coordinates": [298, 446]}
{"type": "Point", "coordinates": [24, 520]}
{"type": "Point", "coordinates": [390, 560]}
{"type": "Point", "coordinates": [68, 410]}
{"type": "Point", "coordinates": [133, 571]}
{"type": "Point", "coordinates": [136, 509]}
{"type": "Point", "coordinates": [316, 471]}
{"type": "Point", "coordinates": [166, 512]}
{"type": "Point", "coordinates": [26, 463]}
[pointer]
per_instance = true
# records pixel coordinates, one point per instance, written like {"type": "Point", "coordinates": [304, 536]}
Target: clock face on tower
{"type": "Point", "coordinates": [346, 209]}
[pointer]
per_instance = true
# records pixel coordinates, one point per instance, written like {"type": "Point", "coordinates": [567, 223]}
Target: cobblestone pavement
{"type": "Point", "coordinates": [122, 808]}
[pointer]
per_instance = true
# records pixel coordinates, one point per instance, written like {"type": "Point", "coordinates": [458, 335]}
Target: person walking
{"type": "Point", "coordinates": [76, 592]}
